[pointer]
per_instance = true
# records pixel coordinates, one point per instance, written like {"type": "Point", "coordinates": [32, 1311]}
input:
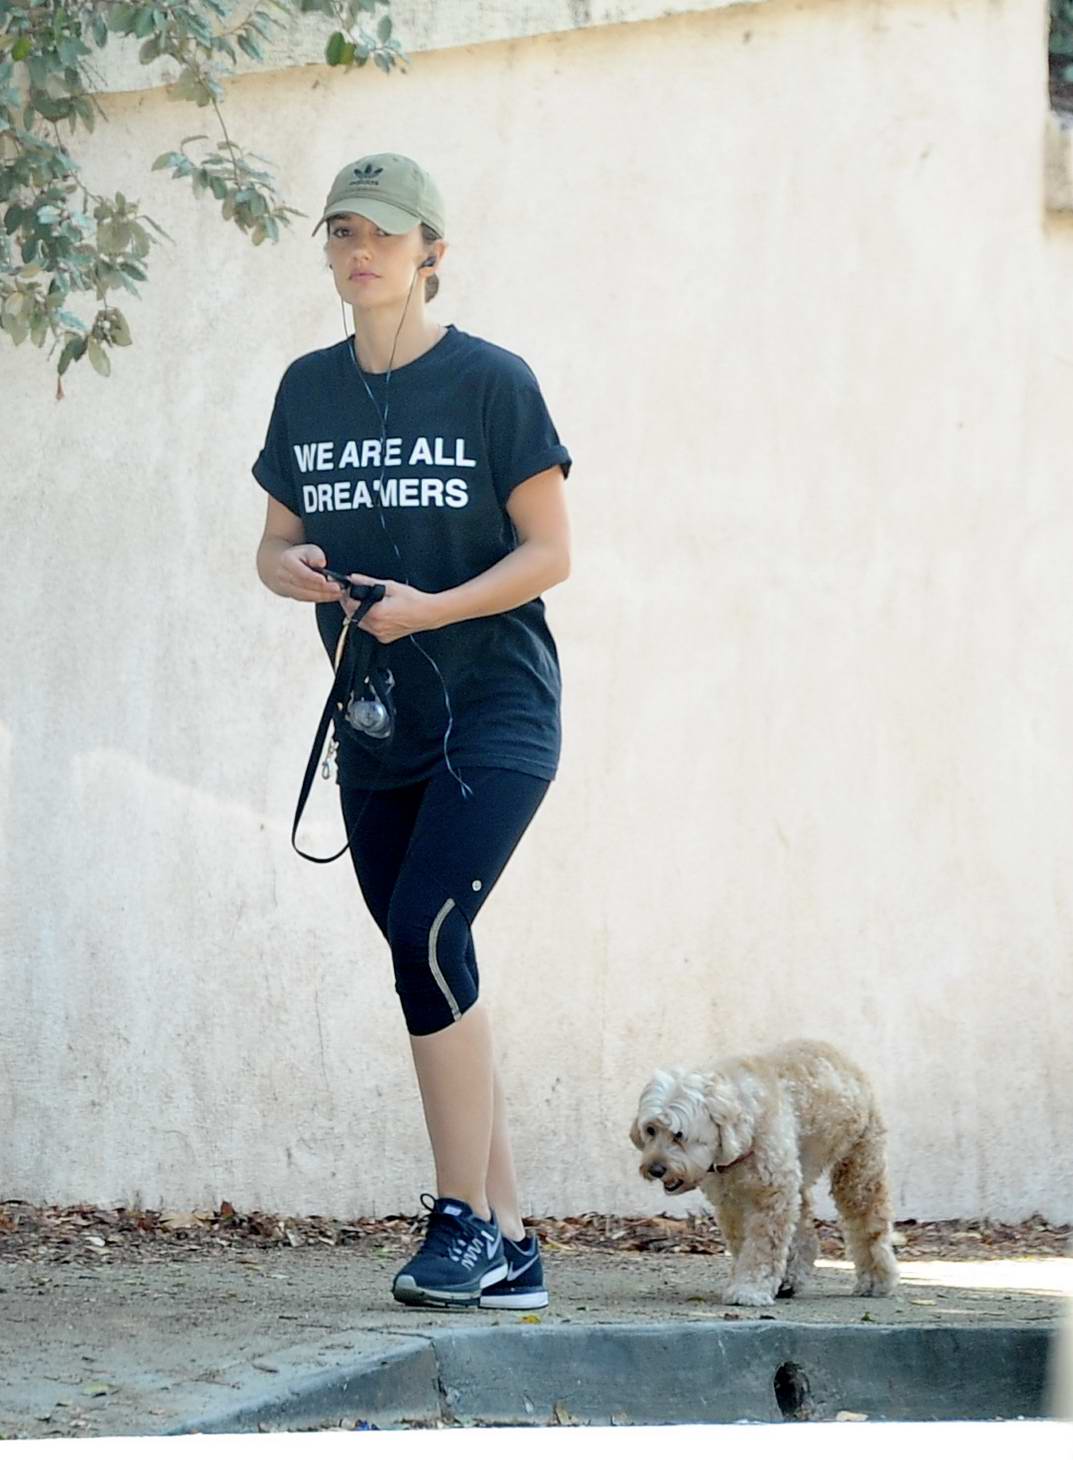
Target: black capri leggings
{"type": "Point", "coordinates": [426, 860]}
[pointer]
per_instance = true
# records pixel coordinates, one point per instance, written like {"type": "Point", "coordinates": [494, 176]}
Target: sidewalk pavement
{"type": "Point", "coordinates": [142, 1347]}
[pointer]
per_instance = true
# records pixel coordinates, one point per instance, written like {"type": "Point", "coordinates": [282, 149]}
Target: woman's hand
{"type": "Point", "coordinates": [294, 575]}
{"type": "Point", "coordinates": [402, 610]}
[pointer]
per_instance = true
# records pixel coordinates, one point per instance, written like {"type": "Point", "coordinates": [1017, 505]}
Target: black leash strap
{"type": "Point", "coordinates": [344, 675]}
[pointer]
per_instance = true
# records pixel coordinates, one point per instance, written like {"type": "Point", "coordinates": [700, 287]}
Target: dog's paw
{"type": "Point", "coordinates": [874, 1285]}
{"type": "Point", "coordinates": [787, 1289]}
{"type": "Point", "coordinates": [744, 1295]}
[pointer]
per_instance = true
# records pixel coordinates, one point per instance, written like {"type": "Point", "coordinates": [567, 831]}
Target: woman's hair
{"type": "Point", "coordinates": [432, 281]}
{"type": "Point", "coordinates": [428, 235]}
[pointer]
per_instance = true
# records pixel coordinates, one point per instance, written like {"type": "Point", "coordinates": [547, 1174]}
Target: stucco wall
{"type": "Point", "coordinates": [786, 275]}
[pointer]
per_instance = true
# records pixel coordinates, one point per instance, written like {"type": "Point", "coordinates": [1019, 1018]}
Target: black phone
{"type": "Point", "coordinates": [357, 590]}
{"type": "Point", "coordinates": [335, 577]}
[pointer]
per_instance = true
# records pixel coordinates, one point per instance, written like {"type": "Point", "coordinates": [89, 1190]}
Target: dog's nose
{"type": "Point", "coordinates": [657, 1172]}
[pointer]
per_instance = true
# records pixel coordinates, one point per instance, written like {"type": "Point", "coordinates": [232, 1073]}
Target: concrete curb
{"type": "Point", "coordinates": [662, 1374]}
{"type": "Point", "coordinates": [400, 1381]}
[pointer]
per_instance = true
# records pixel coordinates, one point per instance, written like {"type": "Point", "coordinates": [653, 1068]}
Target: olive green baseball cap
{"type": "Point", "coordinates": [391, 190]}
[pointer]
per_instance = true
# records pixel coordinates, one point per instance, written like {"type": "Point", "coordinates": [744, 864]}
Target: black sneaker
{"type": "Point", "coordinates": [460, 1256]}
{"type": "Point", "coordinates": [523, 1285]}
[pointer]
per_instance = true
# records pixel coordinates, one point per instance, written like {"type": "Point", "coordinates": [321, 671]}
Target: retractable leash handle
{"type": "Point", "coordinates": [368, 595]}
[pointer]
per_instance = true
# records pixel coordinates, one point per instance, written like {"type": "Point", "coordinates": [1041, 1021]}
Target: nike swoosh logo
{"type": "Point", "coordinates": [491, 1239]}
{"type": "Point", "coordinates": [515, 1272]}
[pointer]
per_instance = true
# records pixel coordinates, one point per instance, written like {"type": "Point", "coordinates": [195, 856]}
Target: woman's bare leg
{"type": "Point", "coordinates": [502, 1185]}
{"type": "Point", "coordinates": [465, 1114]}
{"type": "Point", "coordinates": [455, 1077]}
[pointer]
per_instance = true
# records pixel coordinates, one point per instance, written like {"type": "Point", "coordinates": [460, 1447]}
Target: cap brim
{"type": "Point", "coordinates": [384, 215]}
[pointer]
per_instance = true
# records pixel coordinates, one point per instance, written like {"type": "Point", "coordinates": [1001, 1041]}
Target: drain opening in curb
{"type": "Point", "coordinates": [791, 1392]}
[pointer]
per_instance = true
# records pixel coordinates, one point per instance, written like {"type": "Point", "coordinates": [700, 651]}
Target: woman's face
{"type": "Point", "coordinates": [371, 267]}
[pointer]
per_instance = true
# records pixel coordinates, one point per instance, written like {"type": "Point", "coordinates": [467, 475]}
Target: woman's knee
{"type": "Point", "coordinates": [431, 950]}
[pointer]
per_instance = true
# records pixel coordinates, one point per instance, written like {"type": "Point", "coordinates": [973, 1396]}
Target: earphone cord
{"type": "Point", "coordinates": [383, 417]}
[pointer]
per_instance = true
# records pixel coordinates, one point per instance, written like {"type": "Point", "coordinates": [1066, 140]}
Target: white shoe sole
{"type": "Point", "coordinates": [514, 1300]}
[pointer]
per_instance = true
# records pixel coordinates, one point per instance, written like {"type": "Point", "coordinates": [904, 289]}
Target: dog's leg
{"type": "Point", "coordinates": [730, 1225]}
{"type": "Point", "coordinates": [768, 1226]}
{"type": "Point", "coordinates": [860, 1191]}
{"type": "Point", "coordinates": [804, 1249]}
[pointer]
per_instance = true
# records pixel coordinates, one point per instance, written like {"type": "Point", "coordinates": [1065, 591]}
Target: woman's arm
{"type": "Point", "coordinates": [537, 508]}
{"type": "Point", "coordinates": [285, 562]}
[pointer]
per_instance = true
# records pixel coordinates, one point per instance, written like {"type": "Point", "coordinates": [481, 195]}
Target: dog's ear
{"type": "Point", "coordinates": [649, 1102]}
{"type": "Point", "coordinates": [733, 1124]}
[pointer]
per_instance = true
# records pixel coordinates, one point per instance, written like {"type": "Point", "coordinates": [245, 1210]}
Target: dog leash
{"type": "Point", "coordinates": [344, 674]}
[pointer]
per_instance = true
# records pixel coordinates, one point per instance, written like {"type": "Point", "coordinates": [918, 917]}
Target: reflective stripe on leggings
{"type": "Point", "coordinates": [434, 964]}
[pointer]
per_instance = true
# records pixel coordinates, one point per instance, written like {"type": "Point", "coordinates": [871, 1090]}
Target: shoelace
{"type": "Point", "coordinates": [445, 1235]}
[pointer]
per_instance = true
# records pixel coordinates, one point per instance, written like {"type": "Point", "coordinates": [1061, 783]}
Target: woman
{"type": "Point", "coordinates": [421, 457]}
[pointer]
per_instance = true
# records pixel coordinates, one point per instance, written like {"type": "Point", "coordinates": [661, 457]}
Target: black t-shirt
{"type": "Point", "coordinates": [466, 423]}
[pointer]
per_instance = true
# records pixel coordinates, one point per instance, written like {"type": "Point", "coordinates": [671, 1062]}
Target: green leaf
{"type": "Point", "coordinates": [67, 354]}
{"type": "Point", "coordinates": [22, 48]}
{"type": "Point", "coordinates": [143, 23]}
{"type": "Point", "coordinates": [333, 51]}
{"type": "Point", "coordinates": [103, 366]}
{"type": "Point", "coordinates": [119, 17]}
{"type": "Point", "coordinates": [53, 111]}
{"type": "Point", "coordinates": [120, 329]}
{"type": "Point", "coordinates": [249, 45]}
{"type": "Point", "coordinates": [86, 113]}
{"type": "Point", "coordinates": [166, 159]}
{"type": "Point", "coordinates": [383, 30]}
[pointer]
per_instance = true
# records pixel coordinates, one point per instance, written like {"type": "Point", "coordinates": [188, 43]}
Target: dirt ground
{"type": "Point", "coordinates": [120, 1323]}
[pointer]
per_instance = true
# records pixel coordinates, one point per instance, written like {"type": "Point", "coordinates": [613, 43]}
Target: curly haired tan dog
{"type": "Point", "coordinates": [754, 1134]}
